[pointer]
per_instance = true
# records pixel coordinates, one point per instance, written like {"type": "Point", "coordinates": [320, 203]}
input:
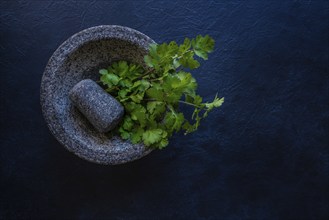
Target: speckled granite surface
{"type": "Point", "coordinates": [262, 155]}
{"type": "Point", "coordinates": [102, 110]}
{"type": "Point", "coordinates": [80, 57]}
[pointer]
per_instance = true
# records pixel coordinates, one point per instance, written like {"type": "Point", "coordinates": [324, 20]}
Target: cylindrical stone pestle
{"type": "Point", "coordinates": [102, 110]}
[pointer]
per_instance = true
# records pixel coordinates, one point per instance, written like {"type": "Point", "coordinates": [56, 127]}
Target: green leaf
{"type": "Point", "coordinates": [103, 71]}
{"type": "Point", "coordinates": [179, 121]}
{"type": "Point", "coordinates": [163, 143]}
{"type": "Point", "coordinates": [152, 59]}
{"type": "Point", "coordinates": [173, 121]}
{"type": "Point", "coordinates": [137, 135]}
{"type": "Point", "coordinates": [125, 83]}
{"type": "Point", "coordinates": [122, 93]}
{"type": "Point", "coordinates": [197, 100]}
{"type": "Point", "coordinates": [153, 50]}
{"type": "Point", "coordinates": [155, 93]}
{"type": "Point", "coordinates": [148, 61]}
{"type": "Point", "coordinates": [173, 97]}
{"type": "Point", "coordinates": [188, 83]}
{"type": "Point", "coordinates": [169, 120]}
{"type": "Point", "coordinates": [151, 106]}
{"type": "Point", "coordinates": [119, 68]}
{"type": "Point", "coordinates": [189, 98]}
{"type": "Point", "coordinates": [106, 81]}
{"type": "Point", "coordinates": [137, 97]}
{"type": "Point", "coordinates": [218, 102]}
{"type": "Point", "coordinates": [187, 127]}
{"type": "Point", "coordinates": [202, 54]}
{"type": "Point", "coordinates": [176, 63]}
{"type": "Point", "coordinates": [162, 56]}
{"type": "Point", "coordinates": [188, 61]}
{"type": "Point", "coordinates": [114, 79]}
{"type": "Point", "coordinates": [215, 103]}
{"type": "Point", "coordinates": [185, 46]}
{"type": "Point", "coordinates": [171, 82]}
{"type": "Point", "coordinates": [130, 106]}
{"type": "Point", "coordinates": [139, 115]}
{"type": "Point", "coordinates": [142, 85]}
{"type": "Point", "coordinates": [152, 136]}
{"type": "Point", "coordinates": [124, 134]}
{"type": "Point", "coordinates": [127, 123]}
{"type": "Point", "coordinates": [203, 45]}
{"type": "Point", "coordinates": [155, 108]}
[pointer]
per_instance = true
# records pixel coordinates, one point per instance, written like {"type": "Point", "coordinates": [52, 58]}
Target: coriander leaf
{"type": "Point", "coordinates": [152, 59]}
{"type": "Point", "coordinates": [125, 83]}
{"type": "Point", "coordinates": [197, 100]}
{"type": "Point", "coordinates": [127, 123]}
{"type": "Point", "coordinates": [188, 98]}
{"type": "Point", "coordinates": [173, 121]}
{"type": "Point", "coordinates": [137, 97]}
{"type": "Point", "coordinates": [122, 93]}
{"type": "Point", "coordinates": [188, 61]}
{"type": "Point", "coordinates": [114, 79]}
{"type": "Point", "coordinates": [155, 108]}
{"type": "Point", "coordinates": [176, 63]}
{"type": "Point", "coordinates": [130, 106]}
{"type": "Point", "coordinates": [216, 103]}
{"type": "Point", "coordinates": [202, 54]}
{"type": "Point", "coordinates": [119, 68]}
{"type": "Point", "coordinates": [152, 136]}
{"type": "Point", "coordinates": [203, 45]}
{"type": "Point", "coordinates": [185, 46]}
{"type": "Point", "coordinates": [148, 61]}
{"type": "Point", "coordinates": [172, 82]}
{"type": "Point", "coordinates": [187, 127]}
{"type": "Point", "coordinates": [152, 122]}
{"type": "Point", "coordinates": [106, 81]}
{"type": "Point", "coordinates": [173, 96]}
{"type": "Point", "coordinates": [163, 143]}
{"type": "Point", "coordinates": [179, 121]}
{"type": "Point", "coordinates": [188, 83]}
{"type": "Point", "coordinates": [136, 135]}
{"type": "Point", "coordinates": [143, 85]}
{"type": "Point", "coordinates": [153, 50]}
{"type": "Point", "coordinates": [164, 134]}
{"type": "Point", "coordinates": [151, 106]}
{"type": "Point", "coordinates": [139, 114]}
{"type": "Point", "coordinates": [169, 120]}
{"type": "Point", "coordinates": [155, 93]}
{"type": "Point", "coordinates": [124, 134]}
{"type": "Point", "coordinates": [103, 71]}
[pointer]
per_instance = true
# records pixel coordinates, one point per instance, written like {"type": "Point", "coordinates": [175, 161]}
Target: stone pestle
{"type": "Point", "coordinates": [102, 110]}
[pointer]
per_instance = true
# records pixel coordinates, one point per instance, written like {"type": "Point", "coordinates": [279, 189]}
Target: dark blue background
{"type": "Point", "coordinates": [263, 155]}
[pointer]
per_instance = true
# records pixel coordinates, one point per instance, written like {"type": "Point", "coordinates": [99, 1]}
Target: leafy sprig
{"type": "Point", "coordinates": [151, 96]}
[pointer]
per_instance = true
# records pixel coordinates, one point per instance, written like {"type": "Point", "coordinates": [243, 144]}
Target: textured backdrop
{"type": "Point", "coordinates": [263, 155]}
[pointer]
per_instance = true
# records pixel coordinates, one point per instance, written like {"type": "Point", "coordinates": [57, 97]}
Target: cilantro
{"type": "Point", "coordinates": [151, 96]}
{"type": "Point", "coordinates": [137, 135]}
{"type": "Point", "coordinates": [152, 136]}
{"type": "Point", "coordinates": [202, 46]}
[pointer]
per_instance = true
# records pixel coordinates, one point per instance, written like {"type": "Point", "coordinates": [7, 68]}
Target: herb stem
{"type": "Point", "coordinates": [152, 100]}
{"type": "Point", "coordinates": [147, 73]}
{"type": "Point", "coordinates": [187, 103]}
